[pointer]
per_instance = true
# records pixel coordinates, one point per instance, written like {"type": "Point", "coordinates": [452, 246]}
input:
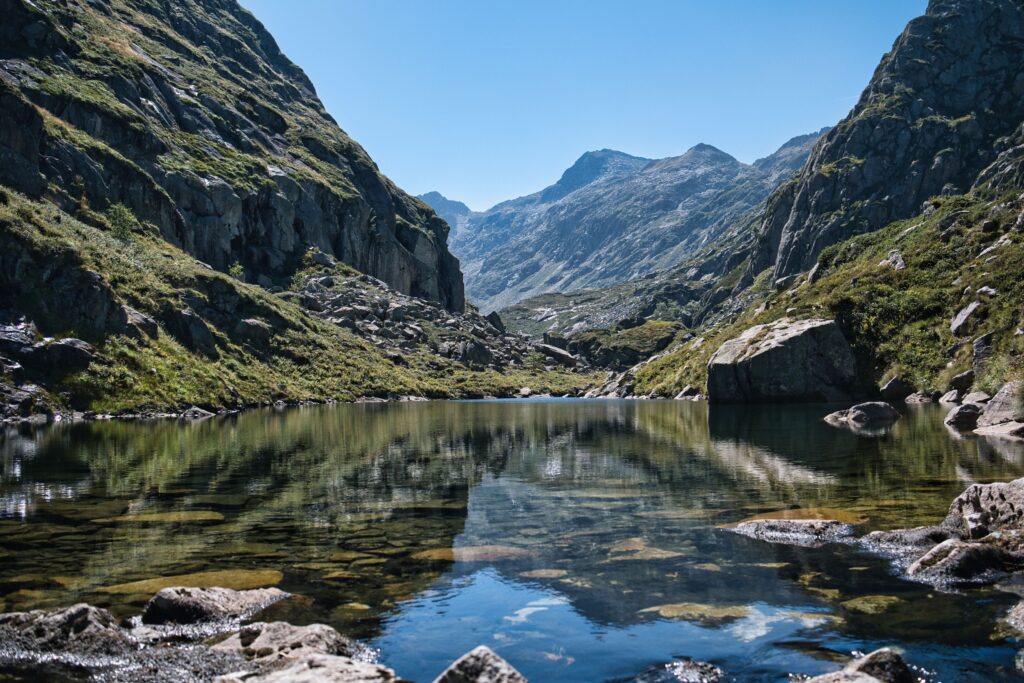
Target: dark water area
{"type": "Point", "coordinates": [581, 540]}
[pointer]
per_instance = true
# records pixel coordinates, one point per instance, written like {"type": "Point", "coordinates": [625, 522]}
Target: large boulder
{"type": "Point", "coordinates": [480, 665]}
{"type": "Point", "coordinates": [896, 389]}
{"type": "Point", "coordinates": [984, 508]}
{"type": "Point", "coordinates": [556, 354]}
{"type": "Point", "coordinates": [195, 605]}
{"type": "Point", "coordinates": [787, 360]}
{"type": "Point", "coordinates": [1006, 406]}
{"type": "Point", "coordinates": [964, 416]}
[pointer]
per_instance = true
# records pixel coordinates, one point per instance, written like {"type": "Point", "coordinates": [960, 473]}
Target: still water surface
{"type": "Point", "coordinates": [581, 540]}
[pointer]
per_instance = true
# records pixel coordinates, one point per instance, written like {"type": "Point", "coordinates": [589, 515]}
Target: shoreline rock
{"type": "Point", "coordinates": [864, 417]}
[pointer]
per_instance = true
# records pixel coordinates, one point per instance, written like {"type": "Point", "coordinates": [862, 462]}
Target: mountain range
{"type": "Point", "coordinates": [610, 218]}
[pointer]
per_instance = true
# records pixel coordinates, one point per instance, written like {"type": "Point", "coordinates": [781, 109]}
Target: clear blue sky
{"type": "Point", "coordinates": [485, 100]}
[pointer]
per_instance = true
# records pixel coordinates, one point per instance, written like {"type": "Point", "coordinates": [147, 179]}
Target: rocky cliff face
{"type": "Point", "coordinates": [188, 114]}
{"type": "Point", "coordinates": [935, 114]}
{"type": "Point", "coordinates": [613, 217]}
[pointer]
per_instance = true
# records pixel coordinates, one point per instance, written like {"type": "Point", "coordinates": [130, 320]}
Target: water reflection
{"type": "Point", "coordinates": [580, 539]}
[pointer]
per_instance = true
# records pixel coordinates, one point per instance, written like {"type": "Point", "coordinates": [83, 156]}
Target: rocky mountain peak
{"type": "Point", "coordinates": [592, 166]}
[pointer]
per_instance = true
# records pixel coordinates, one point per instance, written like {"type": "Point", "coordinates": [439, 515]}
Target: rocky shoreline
{"type": "Point", "coordinates": [214, 634]}
{"type": "Point", "coordinates": [980, 542]}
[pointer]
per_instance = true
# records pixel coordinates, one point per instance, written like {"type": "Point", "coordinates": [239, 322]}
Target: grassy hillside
{"type": "Point", "coordinates": [68, 276]}
{"type": "Point", "coordinates": [898, 321]}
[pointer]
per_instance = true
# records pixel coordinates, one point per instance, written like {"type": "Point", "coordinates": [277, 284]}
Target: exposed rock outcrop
{"type": "Point", "coordinates": [788, 360]}
{"type": "Point", "coordinates": [979, 541]}
{"type": "Point", "coordinates": [1006, 406]}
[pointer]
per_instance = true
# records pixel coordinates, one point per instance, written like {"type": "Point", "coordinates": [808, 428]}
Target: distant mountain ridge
{"type": "Point", "coordinates": [455, 213]}
{"type": "Point", "coordinates": [610, 218]}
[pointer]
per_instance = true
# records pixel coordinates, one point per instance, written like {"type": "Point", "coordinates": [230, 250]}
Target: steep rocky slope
{"type": "Point", "coordinates": [613, 218]}
{"type": "Point", "coordinates": [188, 114]}
{"type": "Point", "coordinates": [929, 121]}
{"type": "Point", "coordinates": [182, 224]}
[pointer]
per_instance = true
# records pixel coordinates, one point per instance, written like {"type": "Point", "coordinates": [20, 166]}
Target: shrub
{"type": "Point", "coordinates": [123, 223]}
{"type": "Point", "coordinates": [236, 271]}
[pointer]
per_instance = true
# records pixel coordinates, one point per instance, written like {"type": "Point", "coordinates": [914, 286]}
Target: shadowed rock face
{"type": "Point", "coordinates": [191, 117]}
{"type": "Point", "coordinates": [927, 123]}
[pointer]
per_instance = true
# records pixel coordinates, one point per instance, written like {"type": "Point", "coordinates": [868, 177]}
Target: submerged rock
{"type": "Point", "coordinates": [480, 665]}
{"type": "Point", "coordinates": [789, 360]}
{"type": "Point", "coordinates": [181, 605]}
{"type": "Point", "coordinates": [808, 533]}
{"type": "Point", "coordinates": [699, 612]}
{"type": "Point", "coordinates": [237, 579]}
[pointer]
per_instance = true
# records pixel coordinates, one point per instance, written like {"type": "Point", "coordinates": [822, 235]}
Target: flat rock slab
{"type": "Point", "coordinates": [1005, 430]}
{"type": "Point", "coordinates": [180, 605]}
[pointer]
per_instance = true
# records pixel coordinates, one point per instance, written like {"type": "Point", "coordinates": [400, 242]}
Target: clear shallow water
{"type": "Point", "coordinates": [586, 534]}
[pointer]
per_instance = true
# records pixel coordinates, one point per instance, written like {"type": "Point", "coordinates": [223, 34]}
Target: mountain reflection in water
{"type": "Point", "coordinates": [579, 539]}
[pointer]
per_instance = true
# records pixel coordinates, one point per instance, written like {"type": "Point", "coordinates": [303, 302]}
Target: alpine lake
{"type": "Point", "coordinates": [582, 540]}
